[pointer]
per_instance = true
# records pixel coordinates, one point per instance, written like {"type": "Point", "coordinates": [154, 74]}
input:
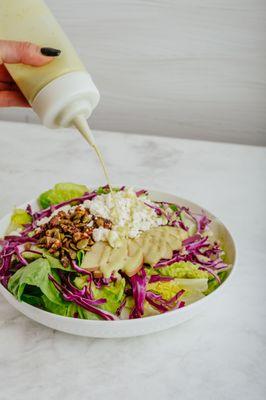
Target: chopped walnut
{"type": "Point", "coordinates": [68, 232]}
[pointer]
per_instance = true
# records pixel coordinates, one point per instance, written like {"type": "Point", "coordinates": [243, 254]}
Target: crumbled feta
{"type": "Point", "coordinates": [105, 235]}
{"type": "Point", "coordinates": [100, 234]}
{"type": "Point", "coordinates": [126, 211]}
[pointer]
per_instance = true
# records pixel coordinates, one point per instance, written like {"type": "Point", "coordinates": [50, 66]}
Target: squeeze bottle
{"type": "Point", "coordinates": [62, 92]}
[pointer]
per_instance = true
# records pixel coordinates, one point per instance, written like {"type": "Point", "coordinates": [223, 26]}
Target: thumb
{"type": "Point", "coordinates": [12, 52]}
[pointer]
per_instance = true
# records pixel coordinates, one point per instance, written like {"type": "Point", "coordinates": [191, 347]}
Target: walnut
{"type": "Point", "coordinates": [68, 232]}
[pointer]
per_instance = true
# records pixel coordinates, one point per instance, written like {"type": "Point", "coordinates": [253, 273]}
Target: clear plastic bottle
{"type": "Point", "coordinates": [62, 91]}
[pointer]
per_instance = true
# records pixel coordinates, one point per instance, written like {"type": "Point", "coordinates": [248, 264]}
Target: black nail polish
{"type": "Point", "coordinates": [50, 52]}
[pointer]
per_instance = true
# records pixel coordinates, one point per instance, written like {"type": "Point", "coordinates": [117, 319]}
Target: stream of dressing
{"type": "Point", "coordinates": [82, 126]}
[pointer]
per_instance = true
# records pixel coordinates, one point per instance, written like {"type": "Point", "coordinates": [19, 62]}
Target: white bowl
{"type": "Point", "coordinates": [133, 327]}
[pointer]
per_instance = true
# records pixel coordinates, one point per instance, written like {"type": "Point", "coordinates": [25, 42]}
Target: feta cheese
{"type": "Point", "coordinates": [128, 213]}
{"type": "Point", "coordinates": [100, 234]}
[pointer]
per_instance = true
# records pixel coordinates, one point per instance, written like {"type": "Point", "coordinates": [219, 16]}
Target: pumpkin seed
{"type": "Point", "coordinates": [86, 218]}
{"type": "Point", "coordinates": [81, 244]}
{"type": "Point", "coordinates": [73, 254]}
{"type": "Point", "coordinates": [73, 246]}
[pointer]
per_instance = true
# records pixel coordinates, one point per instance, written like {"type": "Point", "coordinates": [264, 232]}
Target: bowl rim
{"type": "Point", "coordinates": [158, 317]}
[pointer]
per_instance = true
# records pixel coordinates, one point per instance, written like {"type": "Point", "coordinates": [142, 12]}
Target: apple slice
{"type": "Point", "coordinates": [177, 232]}
{"type": "Point", "coordinates": [168, 251]}
{"type": "Point", "coordinates": [134, 261]}
{"type": "Point", "coordinates": [116, 259]}
{"type": "Point", "coordinates": [104, 259]}
{"type": "Point", "coordinates": [174, 242]}
{"type": "Point", "coordinates": [92, 258]}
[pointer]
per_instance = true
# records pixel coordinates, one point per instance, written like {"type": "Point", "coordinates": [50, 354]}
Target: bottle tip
{"type": "Point", "coordinates": [82, 126]}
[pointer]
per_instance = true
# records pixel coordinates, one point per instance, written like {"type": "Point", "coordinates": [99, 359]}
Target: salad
{"type": "Point", "coordinates": [109, 254]}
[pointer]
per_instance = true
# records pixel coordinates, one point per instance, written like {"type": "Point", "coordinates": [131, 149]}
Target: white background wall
{"type": "Point", "coordinates": [184, 68]}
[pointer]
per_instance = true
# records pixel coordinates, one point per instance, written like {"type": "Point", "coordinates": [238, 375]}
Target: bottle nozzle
{"type": "Point", "coordinates": [81, 124]}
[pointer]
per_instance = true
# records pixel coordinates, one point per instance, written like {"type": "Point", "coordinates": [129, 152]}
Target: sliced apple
{"type": "Point", "coordinates": [134, 261]}
{"type": "Point", "coordinates": [92, 258]}
{"type": "Point", "coordinates": [116, 259]}
{"type": "Point", "coordinates": [173, 241]}
{"type": "Point", "coordinates": [105, 257]}
{"type": "Point", "coordinates": [177, 232]}
{"type": "Point", "coordinates": [168, 251]}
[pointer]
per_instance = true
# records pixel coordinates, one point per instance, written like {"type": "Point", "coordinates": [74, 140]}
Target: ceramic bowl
{"type": "Point", "coordinates": [133, 327]}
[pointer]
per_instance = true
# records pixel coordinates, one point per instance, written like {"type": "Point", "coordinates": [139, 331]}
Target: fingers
{"type": "Point", "coordinates": [4, 74]}
{"type": "Point", "coordinates": [19, 52]}
{"type": "Point", "coordinates": [8, 86]}
{"type": "Point", "coordinates": [12, 99]}
{"type": "Point", "coordinates": [25, 53]}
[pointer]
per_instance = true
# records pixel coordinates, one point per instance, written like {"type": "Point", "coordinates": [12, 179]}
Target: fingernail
{"type": "Point", "coordinates": [50, 52]}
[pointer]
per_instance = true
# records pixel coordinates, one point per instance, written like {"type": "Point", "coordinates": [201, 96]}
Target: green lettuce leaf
{"type": "Point", "coordinates": [183, 269]}
{"type": "Point", "coordinates": [113, 293]}
{"type": "Point", "coordinates": [35, 274]}
{"type": "Point", "coordinates": [35, 301]}
{"type": "Point", "coordinates": [18, 219]}
{"type": "Point", "coordinates": [67, 309]}
{"type": "Point", "coordinates": [53, 261]}
{"type": "Point", "coordinates": [104, 190]}
{"type": "Point", "coordinates": [80, 256]}
{"type": "Point", "coordinates": [169, 289]}
{"type": "Point", "coordinates": [213, 283]}
{"type": "Point", "coordinates": [80, 281]}
{"type": "Point", "coordinates": [61, 192]}
{"type": "Point", "coordinates": [173, 207]}
{"type": "Point", "coordinates": [190, 296]}
{"type": "Point", "coordinates": [29, 256]}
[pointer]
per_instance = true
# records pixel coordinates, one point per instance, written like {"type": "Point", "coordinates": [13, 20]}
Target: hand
{"type": "Point", "coordinates": [19, 52]}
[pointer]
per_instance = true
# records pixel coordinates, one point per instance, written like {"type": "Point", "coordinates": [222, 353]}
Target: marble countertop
{"type": "Point", "coordinates": [221, 353]}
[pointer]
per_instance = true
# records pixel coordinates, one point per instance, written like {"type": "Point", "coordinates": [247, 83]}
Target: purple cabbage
{"type": "Point", "coordinates": [202, 221]}
{"type": "Point", "coordinates": [48, 211]}
{"type": "Point", "coordinates": [159, 278]}
{"type": "Point", "coordinates": [11, 246]}
{"type": "Point", "coordinates": [138, 284]}
{"type": "Point", "coordinates": [99, 282]}
{"type": "Point", "coordinates": [19, 256]}
{"type": "Point", "coordinates": [83, 300]}
{"type": "Point", "coordinates": [162, 305]}
{"type": "Point", "coordinates": [75, 266]}
{"type": "Point", "coordinates": [120, 308]}
{"type": "Point", "coordinates": [158, 210]}
{"type": "Point", "coordinates": [141, 192]}
{"type": "Point", "coordinates": [198, 250]}
{"type": "Point", "coordinates": [165, 262]}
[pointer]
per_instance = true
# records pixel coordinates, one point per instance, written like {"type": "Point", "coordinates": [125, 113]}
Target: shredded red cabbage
{"type": "Point", "coordinates": [120, 308]}
{"type": "Point", "coordinates": [75, 266]}
{"type": "Point", "coordinates": [162, 305]}
{"type": "Point", "coordinates": [198, 250]}
{"type": "Point", "coordinates": [158, 210]}
{"type": "Point", "coordinates": [141, 192]}
{"type": "Point", "coordinates": [48, 211]}
{"type": "Point", "coordinates": [138, 284]}
{"type": "Point", "coordinates": [159, 278]}
{"type": "Point", "coordinates": [82, 300]}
